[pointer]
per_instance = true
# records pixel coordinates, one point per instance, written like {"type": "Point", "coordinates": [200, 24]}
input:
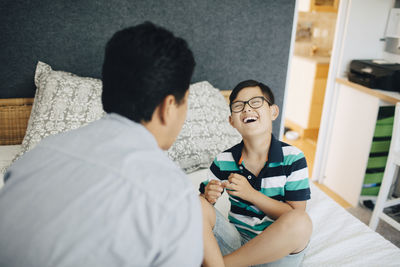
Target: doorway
{"type": "Point", "coordinates": [307, 79]}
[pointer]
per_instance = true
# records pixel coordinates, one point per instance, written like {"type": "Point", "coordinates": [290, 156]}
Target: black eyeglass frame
{"type": "Point", "coordinates": [248, 102]}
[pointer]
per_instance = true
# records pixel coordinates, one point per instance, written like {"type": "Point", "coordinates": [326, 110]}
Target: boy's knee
{"type": "Point", "coordinates": [299, 223]}
{"type": "Point", "coordinates": [208, 212]}
{"type": "Point", "coordinates": [300, 228]}
{"type": "Point", "coordinates": [304, 221]}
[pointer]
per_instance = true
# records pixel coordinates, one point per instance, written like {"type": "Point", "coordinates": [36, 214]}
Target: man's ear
{"type": "Point", "coordinates": [165, 109]}
{"type": "Point", "coordinates": [274, 111]}
{"type": "Point", "coordinates": [230, 120]}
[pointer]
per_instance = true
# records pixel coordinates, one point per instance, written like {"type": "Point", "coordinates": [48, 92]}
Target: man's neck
{"type": "Point", "coordinates": [156, 129]}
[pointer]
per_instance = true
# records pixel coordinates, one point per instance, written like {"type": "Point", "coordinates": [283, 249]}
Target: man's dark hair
{"type": "Point", "coordinates": [267, 92]}
{"type": "Point", "coordinates": [142, 65]}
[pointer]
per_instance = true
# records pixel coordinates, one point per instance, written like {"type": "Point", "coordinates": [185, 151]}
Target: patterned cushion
{"type": "Point", "coordinates": [63, 101]}
{"type": "Point", "coordinates": [206, 131]}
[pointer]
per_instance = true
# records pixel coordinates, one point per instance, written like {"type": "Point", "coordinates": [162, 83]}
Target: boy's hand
{"type": "Point", "coordinates": [239, 186]}
{"type": "Point", "coordinates": [213, 191]}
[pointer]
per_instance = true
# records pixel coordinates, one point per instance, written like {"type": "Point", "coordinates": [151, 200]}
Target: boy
{"type": "Point", "coordinates": [267, 185]}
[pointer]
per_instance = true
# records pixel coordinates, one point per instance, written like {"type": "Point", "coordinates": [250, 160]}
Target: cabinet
{"type": "Point", "coordinates": [324, 5]}
{"type": "Point", "coordinates": [318, 5]}
{"type": "Point", "coordinates": [306, 91]}
{"type": "Point", "coordinates": [351, 137]}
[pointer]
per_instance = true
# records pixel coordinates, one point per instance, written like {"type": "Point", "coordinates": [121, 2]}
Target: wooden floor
{"type": "Point", "coordinates": [308, 146]}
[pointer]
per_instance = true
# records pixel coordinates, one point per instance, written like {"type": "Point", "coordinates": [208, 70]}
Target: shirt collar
{"type": "Point", "coordinates": [140, 134]}
{"type": "Point", "coordinates": [275, 153]}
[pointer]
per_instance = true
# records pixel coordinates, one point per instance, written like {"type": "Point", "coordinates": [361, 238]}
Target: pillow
{"type": "Point", "coordinates": [63, 101]}
{"type": "Point", "coordinates": [206, 131]}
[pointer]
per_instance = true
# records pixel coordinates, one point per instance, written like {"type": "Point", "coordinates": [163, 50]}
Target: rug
{"type": "Point", "coordinates": [387, 231]}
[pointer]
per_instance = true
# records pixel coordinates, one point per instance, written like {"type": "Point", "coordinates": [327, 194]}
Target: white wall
{"type": "Point", "coordinates": [391, 57]}
{"type": "Point", "coordinates": [365, 27]}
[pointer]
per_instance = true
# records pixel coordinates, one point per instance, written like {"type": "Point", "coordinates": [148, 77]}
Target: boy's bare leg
{"type": "Point", "coordinates": [212, 253]}
{"type": "Point", "coordinates": [290, 233]}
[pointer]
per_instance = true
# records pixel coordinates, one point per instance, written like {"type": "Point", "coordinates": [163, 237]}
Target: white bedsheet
{"type": "Point", "coordinates": [338, 239]}
{"type": "Point", "coordinates": [7, 154]}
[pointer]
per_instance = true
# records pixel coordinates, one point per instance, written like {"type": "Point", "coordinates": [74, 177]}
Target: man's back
{"type": "Point", "coordinates": [103, 195]}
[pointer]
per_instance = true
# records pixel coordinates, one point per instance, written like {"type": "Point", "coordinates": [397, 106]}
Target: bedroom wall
{"type": "Point", "coordinates": [232, 40]}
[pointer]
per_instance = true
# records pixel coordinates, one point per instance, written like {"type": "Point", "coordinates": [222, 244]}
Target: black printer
{"type": "Point", "coordinates": [376, 74]}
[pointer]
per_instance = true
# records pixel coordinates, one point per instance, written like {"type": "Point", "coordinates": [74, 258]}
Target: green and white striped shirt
{"type": "Point", "coordinates": [284, 178]}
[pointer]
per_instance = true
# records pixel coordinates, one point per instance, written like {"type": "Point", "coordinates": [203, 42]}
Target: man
{"type": "Point", "coordinates": [106, 194]}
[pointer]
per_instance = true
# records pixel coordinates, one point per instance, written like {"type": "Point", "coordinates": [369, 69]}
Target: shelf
{"type": "Point", "coordinates": [387, 96]}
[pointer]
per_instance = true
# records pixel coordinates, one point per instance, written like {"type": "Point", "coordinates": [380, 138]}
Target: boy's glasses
{"type": "Point", "coordinates": [255, 102]}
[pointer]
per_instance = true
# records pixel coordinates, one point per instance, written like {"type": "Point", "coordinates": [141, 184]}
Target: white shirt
{"type": "Point", "coordinates": [102, 195]}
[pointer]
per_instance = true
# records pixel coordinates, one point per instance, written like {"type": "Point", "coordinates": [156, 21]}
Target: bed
{"type": "Point", "coordinates": [38, 99]}
{"type": "Point", "coordinates": [338, 238]}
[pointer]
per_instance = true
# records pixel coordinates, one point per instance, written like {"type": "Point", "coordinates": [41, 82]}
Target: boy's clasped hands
{"type": "Point", "coordinates": [236, 185]}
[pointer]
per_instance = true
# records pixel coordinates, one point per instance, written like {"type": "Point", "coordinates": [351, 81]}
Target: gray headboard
{"type": "Point", "coordinates": [232, 40]}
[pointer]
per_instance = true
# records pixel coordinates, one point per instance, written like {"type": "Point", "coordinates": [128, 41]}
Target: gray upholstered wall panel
{"type": "Point", "coordinates": [232, 40]}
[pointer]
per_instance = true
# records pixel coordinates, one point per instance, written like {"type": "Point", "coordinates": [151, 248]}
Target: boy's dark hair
{"type": "Point", "coordinates": [267, 92]}
{"type": "Point", "coordinates": [142, 65]}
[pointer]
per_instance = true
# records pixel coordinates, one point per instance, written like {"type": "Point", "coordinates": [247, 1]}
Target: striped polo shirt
{"type": "Point", "coordinates": [284, 178]}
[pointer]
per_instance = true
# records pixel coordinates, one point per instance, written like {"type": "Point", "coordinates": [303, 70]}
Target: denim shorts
{"type": "Point", "coordinates": [229, 239]}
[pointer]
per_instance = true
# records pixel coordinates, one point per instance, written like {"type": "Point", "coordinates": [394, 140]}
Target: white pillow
{"type": "Point", "coordinates": [63, 101]}
{"type": "Point", "coordinates": [206, 131]}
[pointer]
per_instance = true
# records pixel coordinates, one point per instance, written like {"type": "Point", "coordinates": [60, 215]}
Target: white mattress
{"type": "Point", "coordinates": [7, 154]}
{"type": "Point", "coordinates": [339, 238]}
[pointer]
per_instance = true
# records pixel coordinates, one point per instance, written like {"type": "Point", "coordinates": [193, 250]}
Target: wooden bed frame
{"type": "Point", "coordinates": [14, 116]}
